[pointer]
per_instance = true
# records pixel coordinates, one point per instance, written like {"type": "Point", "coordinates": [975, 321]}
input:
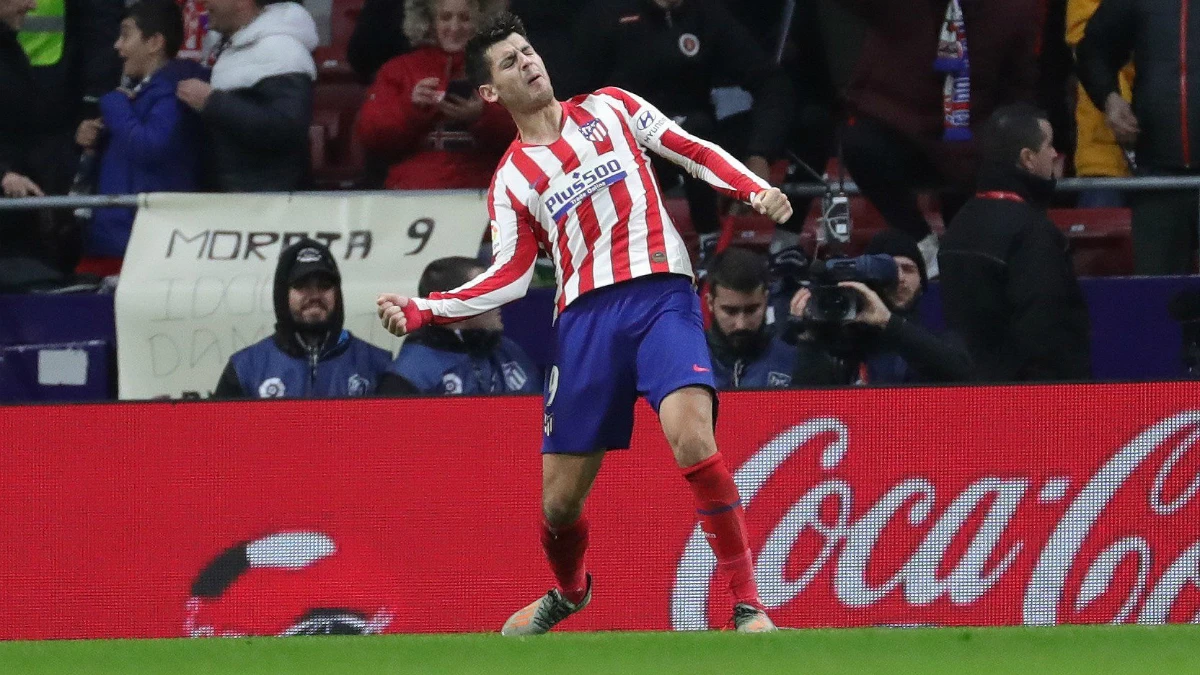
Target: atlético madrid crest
{"type": "Point", "coordinates": [594, 131]}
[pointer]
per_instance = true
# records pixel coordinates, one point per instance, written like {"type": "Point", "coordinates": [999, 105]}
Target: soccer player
{"type": "Point", "coordinates": [577, 183]}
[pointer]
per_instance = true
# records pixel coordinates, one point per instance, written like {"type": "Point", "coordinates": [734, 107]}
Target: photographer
{"type": "Point", "coordinates": [857, 323]}
{"type": "Point", "coordinates": [746, 352]}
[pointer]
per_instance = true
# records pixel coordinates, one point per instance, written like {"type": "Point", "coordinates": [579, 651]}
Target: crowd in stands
{"type": "Point", "coordinates": [934, 108]}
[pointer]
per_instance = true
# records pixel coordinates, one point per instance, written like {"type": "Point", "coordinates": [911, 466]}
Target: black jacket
{"type": "Point", "coordinates": [903, 352]}
{"type": "Point", "coordinates": [1008, 286]}
{"type": "Point", "coordinates": [259, 135]}
{"type": "Point", "coordinates": [32, 119]}
{"type": "Point", "coordinates": [1166, 91]}
{"type": "Point", "coordinates": [37, 141]}
{"type": "Point", "coordinates": [378, 37]}
{"type": "Point", "coordinates": [674, 58]}
{"type": "Point", "coordinates": [41, 107]}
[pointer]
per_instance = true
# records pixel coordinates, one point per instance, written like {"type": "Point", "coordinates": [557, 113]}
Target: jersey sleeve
{"type": "Point", "coordinates": [702, 159]}
{"type": "Point", "coordinates": [514, 252]}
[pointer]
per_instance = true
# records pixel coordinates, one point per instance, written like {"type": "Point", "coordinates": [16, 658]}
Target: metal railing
{"type": "Point", "coordinates": [1065, 185]}
{"type": "Point", "coordinates": [792, 189]}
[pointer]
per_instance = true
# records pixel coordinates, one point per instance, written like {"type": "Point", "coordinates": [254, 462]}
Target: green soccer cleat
{"type": "Point", "coordinates": [750, 619]}
{"type": "Point", "coordinates": [544, 613]}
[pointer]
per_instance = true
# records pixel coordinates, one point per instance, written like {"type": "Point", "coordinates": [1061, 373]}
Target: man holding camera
{"type": "Point", "coordinates": [856, 322]}
{"type": "Point", "coordinates": [746, 352]}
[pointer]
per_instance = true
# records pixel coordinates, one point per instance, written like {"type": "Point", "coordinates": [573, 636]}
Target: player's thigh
{"type": "Point", "coordinates": [675, 374]}
{"type": "Point", "coordinates": [590, 392]}
{"type": "Point", "coordinates": [686, 415]}
{"type": "Point", "coordinates": [672, 351]}
{"type": "Point", "coordinates": [566, 481]}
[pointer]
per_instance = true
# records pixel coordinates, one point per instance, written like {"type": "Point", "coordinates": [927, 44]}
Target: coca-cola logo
{"type": "Point", "coordinates": [1048, 568]}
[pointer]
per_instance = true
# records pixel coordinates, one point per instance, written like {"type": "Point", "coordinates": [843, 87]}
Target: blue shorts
{"type": "Point", "coordinates": [643, 337]}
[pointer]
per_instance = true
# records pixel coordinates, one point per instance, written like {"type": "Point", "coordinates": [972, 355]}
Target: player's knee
{"type": "Point", "coordinates": [693, 446]}
{"type": "Point", "coordinates": [561, 511]}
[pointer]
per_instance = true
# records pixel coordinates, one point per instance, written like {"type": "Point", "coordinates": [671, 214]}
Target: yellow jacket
{"type": "Point", "coordinates": [1096, 151]}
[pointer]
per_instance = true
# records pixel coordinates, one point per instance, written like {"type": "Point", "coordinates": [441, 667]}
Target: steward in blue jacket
{"type": "Point", "coordinates": [468, 357]}
{"type": "Point", "coordinates": [746, 352]}
{"type": "Point", "coordinates": [310, 355]}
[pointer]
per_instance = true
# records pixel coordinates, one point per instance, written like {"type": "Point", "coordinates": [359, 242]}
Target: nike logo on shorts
{"type": "Point", "coordinates": [699, 369]}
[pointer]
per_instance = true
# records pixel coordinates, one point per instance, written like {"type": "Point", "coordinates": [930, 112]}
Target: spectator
{"type": "Point", "coordinates": [548, 25]}
{"type": "Point", "coordinates": [803, 57]}
{"type": "Point", "coordinates": [24, 115]}
{"type": "Point", "coordinates": [746, 352]}
{"type": "Point", "coordinates": [1097, 153]}
{"type": "Point", "coordinates": [421, 114]}
{"type": "Point", "coordinates": [885, 342]}
{"type": "Point", "coordinates": [468, 357]}
{"type": "Point", "coordinates": [310, 355]}
{"type": "Point", "coordinates": [906, 130]}
{"type": "Point", "coordinates": [40, 103]}
{"type": "Point", "coordinates": [1007, 281]}
{"type": "Point", "coordinates": [673, 53]}
{"type": "Point", "coordinates": [378, 37]}
{"type": "Point", "coordinates": [148, 140]}
{"type": "Point", "coordinates": [258, 107]}
{"type": "Point", "coordinates": [69, 43]}
{"type": "Point", "coordinates": [1162, 121]}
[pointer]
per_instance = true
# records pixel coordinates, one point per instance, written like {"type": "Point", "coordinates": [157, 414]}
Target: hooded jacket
{"type": "Point", "coordinates": [1008, 287]}
{"type": "Point", "coordinates": [427, 151]}
{"type": "Point", "coordinates": [440, 360]}
{"type": "Point", "coordinates": [291, 364]}
{"type": "Point", "coordinates": [153, 145]}
{"type": "Point", "coordinates": [261, 106]}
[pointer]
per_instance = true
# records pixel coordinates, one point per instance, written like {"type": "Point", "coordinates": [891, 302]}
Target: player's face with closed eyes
{"type": "Point", "coordinates": [519, 79]}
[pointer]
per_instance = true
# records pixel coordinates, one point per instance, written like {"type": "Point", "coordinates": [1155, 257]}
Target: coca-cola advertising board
{"type": "Point", "coordinates": [965, 506]}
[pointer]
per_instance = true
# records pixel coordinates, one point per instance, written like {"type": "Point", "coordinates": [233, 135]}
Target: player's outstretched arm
{"type": "Point", "coordinates": [514, 252]}
{"type": "Point", "coordinates": [393, 314]}
{"type": "Point", "coordinates": [705, 160]}
{"type": "Point", "coordinates": [773, 204]}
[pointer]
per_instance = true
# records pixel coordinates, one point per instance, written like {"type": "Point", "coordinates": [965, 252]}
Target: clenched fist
{"type": "Point", "coordinates": [391, 313]}
{"type": "Point", "coordinates": [773, 204]}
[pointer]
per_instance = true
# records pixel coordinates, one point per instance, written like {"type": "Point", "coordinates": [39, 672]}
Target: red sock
{"type": "Point", "coordinates": [564, 548]}
{"type": "Point", "coordinates": [723, 522]}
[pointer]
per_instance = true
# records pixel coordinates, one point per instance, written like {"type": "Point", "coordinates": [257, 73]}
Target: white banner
{"type": "Point", "coordinates": [197, 281]}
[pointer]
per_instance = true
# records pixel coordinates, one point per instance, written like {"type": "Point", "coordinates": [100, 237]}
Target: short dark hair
{"type": "Point", "coordinates": [738, 269]}
{"type": "Point", "coordinates": [444, 274]}
{"type": "Point", "coordinates": [159, 17]}
{"type": "Point", "coordinates": [1010, 130]}
{"type": "Point", "coordinates": [479, 69]}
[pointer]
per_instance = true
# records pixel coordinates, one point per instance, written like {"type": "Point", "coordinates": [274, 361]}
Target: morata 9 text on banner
{"type": "Point", "coordinates": [198, 275]}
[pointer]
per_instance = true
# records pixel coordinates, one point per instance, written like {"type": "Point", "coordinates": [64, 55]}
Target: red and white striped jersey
{"type": "Point", "coordinates": [592, 202]}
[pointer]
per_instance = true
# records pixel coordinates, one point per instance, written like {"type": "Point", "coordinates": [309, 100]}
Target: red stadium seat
{"type": "Point", "coordinates": [335, 109]}
{"type": "Point", "coordinates": [1101, 240]}
{"type": "Point", "coordinates": [331, 59]}
{"type": "Point", "coordinates": [337, 97]}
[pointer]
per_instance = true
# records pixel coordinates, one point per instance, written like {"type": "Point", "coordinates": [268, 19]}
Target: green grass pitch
{"type": "Point", "coordinates": [1162, 650]}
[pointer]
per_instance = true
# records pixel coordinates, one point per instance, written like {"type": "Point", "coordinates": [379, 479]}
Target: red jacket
{"type": "Point", "coordinates": [426, 150]}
